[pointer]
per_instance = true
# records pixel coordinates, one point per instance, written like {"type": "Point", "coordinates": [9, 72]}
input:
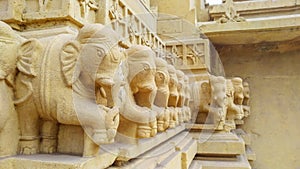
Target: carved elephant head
{"type": "Point", "coordinates": [89, 64]}
{"type": "Point", "coordinates": [162, 79]}
{"type": "Point", "coordinates": [141, 74]}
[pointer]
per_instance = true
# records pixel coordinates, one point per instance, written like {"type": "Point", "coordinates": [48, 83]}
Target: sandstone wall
{"type": "Point", "coordinates": [273, 72]}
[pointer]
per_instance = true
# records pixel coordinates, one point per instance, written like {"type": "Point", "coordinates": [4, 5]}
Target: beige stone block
{"type": "Point", "coordinates": [255, 7]}
{"type": "Point", "coordinates": [184, 142]}
{"type": "Point", "coordinates": [6, 163]}
{"type": "Point", "coordinates": [251, 156]}
{"type": "Point", "coordinates": [11, 12]}
{"type": "Point", "coordinates": [245, 136]}
{"type": "Point", "coordinates": [170, 26]}
{"type": "Point", "coordinates": [188, 149]}
{"type": "Point", "coordinates": [220, 144]}
{"type": "Point", "coordinates": [127, 151]}
{"type": "Point", "coordinates": [242, 32]}
{"type": "Point", "coordinates": [70, 139]}
{"type": "Point", "coordinates": [195, 165]}
{"type": "Point", "coordinates": [173, 161]}
{"type": "Point", "coordinates": [177, 8]}
{"type": "Point", "coordinates": [48, 32]}
{"type": "Point", "coordinates": [152, 158]}
{"type": "Point", "coordinates": [45, 161]}
{"type": "Point", "coordinates": [60, 12]}
{"type": "Point", "coordinates": [188, 153]}
{"type": "Point", "coordinates": [200, 126]}
{"type": "Point", "coordinates": [240, 162]}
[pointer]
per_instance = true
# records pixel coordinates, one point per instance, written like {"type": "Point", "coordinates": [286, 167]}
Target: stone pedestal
{"type": "Point", "coordinates": [127, 151]}
{"type": "Point", "coordinates": [176, 152]}
{"type": "Point", "coordinates": [240, 162]}
{"type": "Point", "coordinates": [219, 150]}
{"type": "Point", "coordinates": [70, 139]}
{"type": "Point", "coordinates": [219, 144]}
{"type": "Point", "coordinates": [45, 161]}
{"type": "Point", "coordinates": [188, 149]}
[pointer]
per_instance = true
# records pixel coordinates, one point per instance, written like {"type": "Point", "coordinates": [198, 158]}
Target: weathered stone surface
{"type": "Point", "coordinates": [127, 151]}
{"type": "Point", "coordinates": [240, 162]}
{"type": "Point", "coordinates": [65, 78]}
{"type": "Point", "coordinates": [269, 87]}
{"type": "Point", "coordinates": [219, 143]}
{"type": "Point", "coordinates": [46, 161]}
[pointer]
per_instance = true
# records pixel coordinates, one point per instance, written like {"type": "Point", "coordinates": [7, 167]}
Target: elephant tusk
{"type": "Point", "coordinates": [28, 94]}
{"type": "Point", "coordinates": [102, 92]}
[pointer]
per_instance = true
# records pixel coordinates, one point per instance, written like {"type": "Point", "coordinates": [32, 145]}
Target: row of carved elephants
{"type": "Point", "coordinates": [223, 101]}
{"type": "Point", "coordinates": [84, 79]}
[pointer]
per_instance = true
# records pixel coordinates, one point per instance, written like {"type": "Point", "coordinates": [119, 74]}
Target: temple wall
{"type": "Point", "coordinates": [175, 7]}
{"type": "Point", "coordinates": [274, 74]}
{"type": "Point", "coordinates": [272, 70]}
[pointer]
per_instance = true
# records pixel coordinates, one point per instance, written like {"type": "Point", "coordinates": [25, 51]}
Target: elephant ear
{"type": "Point", "coordinates": [68, 58]}
{"type": "Point", "coordinates": [28, 53]}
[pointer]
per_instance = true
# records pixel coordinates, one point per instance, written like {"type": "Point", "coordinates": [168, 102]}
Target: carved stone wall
{"type": "Point", "coordinates": [113, 82]}
{"type": "Point", "coordinates": [136, 23]}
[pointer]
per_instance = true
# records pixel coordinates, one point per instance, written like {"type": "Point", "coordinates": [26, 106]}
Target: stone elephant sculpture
{"type": "Point", "coordinates": [58, 84]}
{"type": "Point", "coordinates": [218, 100]}
{"type": "Point", "coordinates": [246, 101]}
{"type": "Point", "coordinates": [204, 103]}
{"type": "Point", "coordinates": [173, 97]}
{"type": "Point", "coordinates": [137, 119]}
{"type": "Point", "coordinates": [162, 79]}
{"type": "Point", "coordinates": [181, 96]}
{"type": "Point", "coordinates": [9, 135]}
{"type": "Point", "coordinates": [186, 107]}
{"type": "Point", "coordinates": [234, 93]}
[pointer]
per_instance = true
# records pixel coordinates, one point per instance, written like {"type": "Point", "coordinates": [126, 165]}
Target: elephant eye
{"type": "Point", "coordinates": [146, 67]}
{"type": "Point", "coordinates": [240, 89]}
{"type": "Point", "coordinates": [100, 52]}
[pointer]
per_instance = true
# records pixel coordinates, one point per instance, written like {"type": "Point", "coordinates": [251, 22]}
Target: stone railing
{"type": "Point", "coordinates": [134, 22]}
{"type": "Point", "coordinates": [189, 54]}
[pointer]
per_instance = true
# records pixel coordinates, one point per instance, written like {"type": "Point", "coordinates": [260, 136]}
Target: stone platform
{"type": "Point", "coordinates": [168, 149]}
{"type": "Point", "coordinates": [240, 162]}
{"type": "Point", "coordinates": [219, 150]}
{"type": "Point", "coordinates": [200, 126]}
{"type": "Point", "coordinates": [50, 161]}
{"type": "Point", "coordinates": [177, 152]}
{"type": "Point", "coordinates": [127, 151]}
{"type": "Point", "coordinates": [218, 143]}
